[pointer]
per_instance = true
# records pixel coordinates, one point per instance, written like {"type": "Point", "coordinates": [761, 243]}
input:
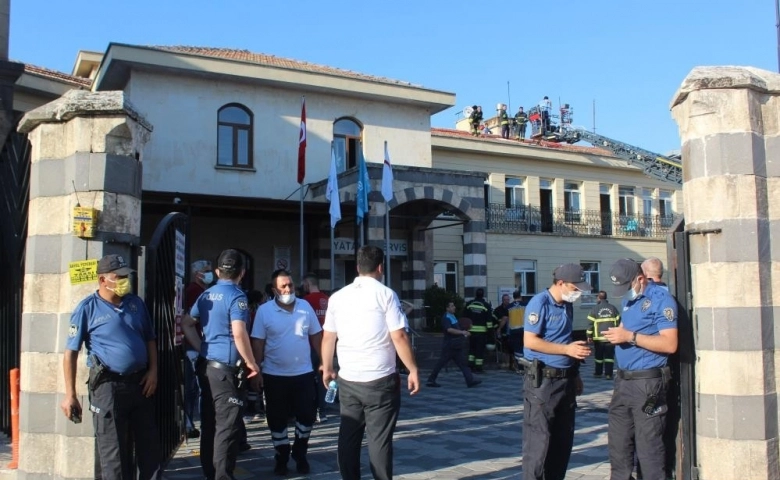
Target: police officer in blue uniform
{"type": "Point", "coordinates": [552, 378]}
{"type": "Point", "coordinates": [645, 338]}
{"type": "Point", "coordinates": [122, 358]}
{"type": "Point", "coordinates": [225, 364]}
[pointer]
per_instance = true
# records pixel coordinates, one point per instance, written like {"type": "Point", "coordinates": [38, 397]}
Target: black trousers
{"type": "Point", "coordinates": [285, 397]}
{"type": "Point", "coordinates": [605, 357]}
{"type": "Point", "coordinates": [548, 428]}
{"type": "Point", "coordinates": [455, 352]}
{"type": "Point", "coordinates": [521, 129]}
{"type": "Point", "coordinates": [124, 421]}
{"type": "Point", "coordinates": [370, 407]}
{"type": "Point", "coordinates": [221, 421]}
{"type": "Point", "coordinates": [477, 343]}
{"type": "Point", "coordinates": [632, 430]}
{"type": "Point", "coordinates": [505, 131]}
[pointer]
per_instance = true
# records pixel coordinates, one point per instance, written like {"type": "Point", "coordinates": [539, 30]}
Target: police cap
{"type": "Point", "coordinates": [230, 260]}
{"type": "Point", "coordinates": [572, 273]}
{"type": "Point", "coordinates": [114, 264]}
{"type": "Point", "coordinates": [622, 273]}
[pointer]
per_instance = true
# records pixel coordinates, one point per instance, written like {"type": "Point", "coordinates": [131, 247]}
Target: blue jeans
{"type": "Point", "coordinates": [191, 389]}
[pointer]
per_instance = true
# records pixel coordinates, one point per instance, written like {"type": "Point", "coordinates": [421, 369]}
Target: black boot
{"type": "Point", "coordinates": [299, 449]}
{"type": "Point", "coordinates": [282, 457]}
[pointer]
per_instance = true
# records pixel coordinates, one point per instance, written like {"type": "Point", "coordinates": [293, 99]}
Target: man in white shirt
{"type": "Point", "coordinates": [367, 319]}
{"type": "Point", "coordinates": [285, 331]}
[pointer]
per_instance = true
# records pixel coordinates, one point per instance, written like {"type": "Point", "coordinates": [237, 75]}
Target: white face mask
{"type": "Point", "coordinates": [571, 297]}
{"type": "Point", "coordinates": [286, 299]}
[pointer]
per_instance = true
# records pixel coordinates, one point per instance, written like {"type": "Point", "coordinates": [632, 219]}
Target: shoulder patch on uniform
{"type": "Point", "coordinates": [669, 313]}
{"type": "Point", "coordinates": [533, 318]}
{"type": "Point", "coordinates": [242, 305]}
{"type": "Point", "coordinates": [646, 304]}
{"type": "Point", "coordinates": [73, 330]}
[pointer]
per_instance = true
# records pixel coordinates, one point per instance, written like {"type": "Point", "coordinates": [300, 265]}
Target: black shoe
{"type": "Point", "coordinates": [432, 384]}
{"type": "Point", "coordinates": [474, 383]}
{"type": "Point", "coordinates": [281, 465]}
{"type": "Point", "coordinates": [244, 447]}
{"type": "Point", "coordinates": [193, 433]}
{"type": "Point", "coordinates": [301, 465]}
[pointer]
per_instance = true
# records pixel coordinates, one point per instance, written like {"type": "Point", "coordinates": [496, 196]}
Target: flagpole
{"type": "Point", "coordinates": [301, 257]}
{"type": "Point", "coordinates": [387, 242]}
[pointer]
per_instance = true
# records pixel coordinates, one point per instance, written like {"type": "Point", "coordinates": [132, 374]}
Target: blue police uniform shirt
{"type": "Point", "coordinates": [652, 311]}
{"type": "Point", "coordinates": [116, 334]}
{"type": "Point", "coordinates": [215, 309]}
{"type": "Point", "coordinates": [552, 322]}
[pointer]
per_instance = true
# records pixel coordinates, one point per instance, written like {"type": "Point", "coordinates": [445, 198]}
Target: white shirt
{"type": "Point", "coordinates": [545, 105]}
{"type": "Point", "coordinates": [286, 335]}
{"type": "Point", "coordinates": [362, 315]}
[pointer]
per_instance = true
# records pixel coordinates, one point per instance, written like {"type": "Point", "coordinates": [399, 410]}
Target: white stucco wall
{"type": "Point", "coordinates": [181, 155]}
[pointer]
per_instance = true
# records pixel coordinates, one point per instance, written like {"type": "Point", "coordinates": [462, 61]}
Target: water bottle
{"type": "Point", "coordinates": [330, 395]}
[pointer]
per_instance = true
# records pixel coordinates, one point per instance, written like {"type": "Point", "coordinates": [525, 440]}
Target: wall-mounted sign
{"type": "Point", "coordinates": [84, 271]}
{"type": "Point", "coordinates": [346, 246]}
{"type": "Point", "coordinates": [180, 258]}
{"type": "Point", "coordinates": [282, 258]}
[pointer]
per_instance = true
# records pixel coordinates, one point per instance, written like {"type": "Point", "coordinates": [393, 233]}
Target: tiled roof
{"type": "Point", "coordinates": [59, 76]}
{"type": "Point", "coordinates": [274, 61]}
{"type": "Point", "coordinates": [447, 132]}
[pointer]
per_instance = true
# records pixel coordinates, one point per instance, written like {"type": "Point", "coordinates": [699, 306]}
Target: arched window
{"type": "Point", "coordinates": [234, 136]}
{"type": "Point", "coordinates": [346, 141]}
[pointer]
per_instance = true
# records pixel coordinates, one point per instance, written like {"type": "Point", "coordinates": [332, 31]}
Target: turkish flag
{"type": "Point", "coordinates": [302, 144]}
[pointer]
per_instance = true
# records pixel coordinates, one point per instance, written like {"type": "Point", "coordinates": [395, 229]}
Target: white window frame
{"type": "Point", "coordinates": [522, 268]}
{"type": "Point", "coordinates": [437, 273]}
{"type": "Point", "coordinates": [591, 298]}
{"type": "Point", "coordinates": [514, 187]}
{"type": "Point", "coordinates": [627, 201]}
{"type": "Point", "coordinates": [572, 201]}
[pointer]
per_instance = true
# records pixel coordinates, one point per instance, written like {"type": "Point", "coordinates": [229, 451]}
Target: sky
{"type": "Point", "coordinates": [629, 56]}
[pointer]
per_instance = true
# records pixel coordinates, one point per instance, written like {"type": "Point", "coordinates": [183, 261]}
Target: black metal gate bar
{"type": "Point", "coordinates": [14, 200]}
{"type": "Point", "coordinates": [682, 424]}
{"type": "Point", "coordinates": [161, 301]}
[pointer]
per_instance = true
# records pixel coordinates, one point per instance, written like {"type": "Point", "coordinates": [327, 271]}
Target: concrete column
{"type": "Point", "coordinates": [86, 149]}
{"type": "Point", "coordinates": [729, 121]}
{"type": "Point", "coordinates": [475, 250]}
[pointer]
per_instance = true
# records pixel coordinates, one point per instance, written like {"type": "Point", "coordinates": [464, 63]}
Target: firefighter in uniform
{"type": "Point", "coordinates": [552, 379]}
{"type": "Point", "coordinates": [646, 336]}
{"type": "Point", "coordinates": [603, 316]}
{"type": "Point", "coordinates": [475, 119]}
{"type": "Point", "coordinates": [122, 361]}
{"type": "Point", "coordinates": [503, 119]}
{"type": "Point", "coordinates": [521, 122]}
{"type": "Point", "coordinates": [479, 312]}
{"type": "Point", "coordinates": [224, 366]}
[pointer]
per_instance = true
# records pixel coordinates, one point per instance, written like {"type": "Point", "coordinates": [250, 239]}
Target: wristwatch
{"type": "Point", "coordinates": [632, 342]}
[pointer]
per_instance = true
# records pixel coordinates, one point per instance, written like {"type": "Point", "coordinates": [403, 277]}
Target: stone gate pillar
{"type": "Point", "coordinates": [729, 121]}
{"type": "Point", "coordinates": [86, 149]}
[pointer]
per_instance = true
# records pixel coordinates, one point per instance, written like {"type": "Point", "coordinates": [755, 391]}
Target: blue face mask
{"type": "Point", "coordinates": [632, 294]}
{"type": "Point", "coordinates": [208, 277]}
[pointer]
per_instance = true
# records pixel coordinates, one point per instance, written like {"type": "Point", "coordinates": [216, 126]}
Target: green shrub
{"type": "Point", "coordinates": [436, 300]}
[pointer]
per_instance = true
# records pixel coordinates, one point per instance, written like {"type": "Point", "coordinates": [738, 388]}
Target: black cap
{"type": "Point", "coordinates": [572, 273]}
{"type": "Point", "coordinates": [230, 261]}
{"type": "Point", "coordinates": [114, 264]}
{"type": "Point", "coordinates": [622, 273]}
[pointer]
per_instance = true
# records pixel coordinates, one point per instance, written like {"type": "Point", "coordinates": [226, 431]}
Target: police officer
{"type": "Point", "coordinates": [552, 378]}
{"type": "Point", "coordinates": [603, 315]}
{"type": "Point", "coordinates": [225, 363]}
{"type": "Point", "coordinates": [122, 357]}
{"type": "Point", "coordinates": [481, 315]}
{"type": "Point", "coordinates": [645, 338]}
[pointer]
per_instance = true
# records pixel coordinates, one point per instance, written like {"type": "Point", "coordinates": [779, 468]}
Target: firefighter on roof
{"type": "Point", "coordinates": [475, 119]}
{"type": "Point", "coordinates": [521, 122]}
{"type": "Point", "coordinates": [503, 119]}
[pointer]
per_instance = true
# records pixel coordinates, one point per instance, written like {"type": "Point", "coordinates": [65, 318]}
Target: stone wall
{"type": "Point", "coordinates": [86, 150]}
{"type": "Point", "coordinates": [729, 121]}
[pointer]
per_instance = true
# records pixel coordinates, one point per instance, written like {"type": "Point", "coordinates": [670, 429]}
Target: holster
{"type": "Point", "coordinates": [97, 374]}
{"type": "Point", "coordinates": [533, 370]}
{"type": "Point", "coordinates": [240, 377]}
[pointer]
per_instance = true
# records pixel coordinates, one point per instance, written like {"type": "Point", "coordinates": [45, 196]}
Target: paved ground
{"type": "Point", "coordinates": [443, 433]}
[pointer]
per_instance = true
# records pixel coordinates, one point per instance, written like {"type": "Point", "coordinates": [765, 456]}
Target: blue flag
{"type": "Point", "coordinates": [363, 187]}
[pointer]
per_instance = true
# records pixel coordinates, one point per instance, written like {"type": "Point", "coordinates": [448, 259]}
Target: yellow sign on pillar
{"type": "Point", "coordinates": [84, 271]}
{"type": "Point", "coordinates": [84, 221]}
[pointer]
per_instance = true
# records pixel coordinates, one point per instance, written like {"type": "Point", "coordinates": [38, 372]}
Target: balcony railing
{"type": "Point", "coordinates": [527, 219]}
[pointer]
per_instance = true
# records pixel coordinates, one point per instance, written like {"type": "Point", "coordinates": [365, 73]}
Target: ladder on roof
{"type": "Point", "coordinates": [654, 165]}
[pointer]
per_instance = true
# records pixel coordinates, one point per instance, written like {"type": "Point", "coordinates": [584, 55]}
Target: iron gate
{"type": "Point", "coordinates": [167, 248]}
{"type": "Point", "coordinates": [681, 430]}
{"type": "Point", "coordinates": [14, 200]}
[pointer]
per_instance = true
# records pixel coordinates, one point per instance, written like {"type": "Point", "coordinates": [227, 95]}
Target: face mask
{"type": "Point", "coordinates": [286, 299]}
{"type": "Point", "coordinates": [571, 297]}
{"type": "Point", "coordinates": [208, 277]}
{"type": "Point", "coordinates": [122, 286]}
